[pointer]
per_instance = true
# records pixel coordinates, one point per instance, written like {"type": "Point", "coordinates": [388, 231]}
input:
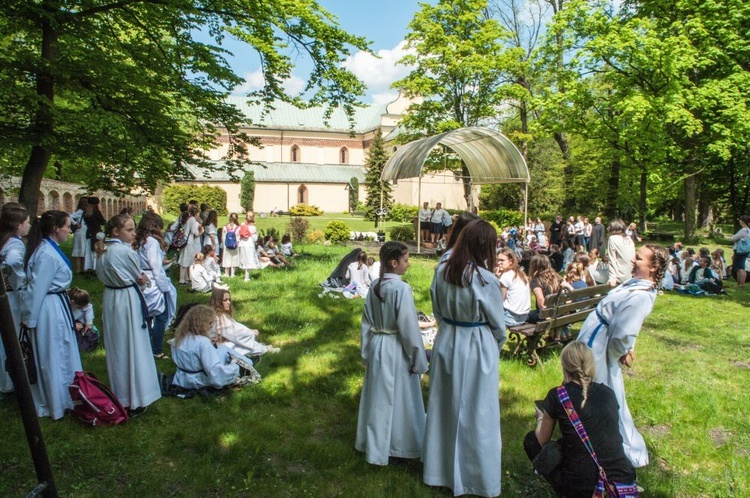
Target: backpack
{"type": "Point", "coordinates": [230, 242]}
{"type": "Point", "coordinates": [89, 340]}
{"type": "Point", "coordinates": [179, 238]}
{"type": "Point", "coordinates": [94, 403]}
{"type": "Point", "coordinates": [245, 231]}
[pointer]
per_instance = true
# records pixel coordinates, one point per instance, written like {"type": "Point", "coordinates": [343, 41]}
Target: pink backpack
{"type": "Point", "coordinates": [94, 403]}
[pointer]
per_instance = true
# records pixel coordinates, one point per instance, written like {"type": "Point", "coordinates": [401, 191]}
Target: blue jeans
{"type": "Point", "coordinates": [158, 327]}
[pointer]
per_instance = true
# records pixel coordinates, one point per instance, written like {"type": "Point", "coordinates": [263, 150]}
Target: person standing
{"type": "Point", "coordinates": [230, 257]}
{"type": "Point", "coordinates": [437, 218]}
{"type": "Point", "coordinates": [192, 230]}
{"type": "Point", "coordinates": [741, 250]}
{"type": "Point", "coordinates": [79, 237]}
{"type": "Point", "coordinates": [620, 253]}
{"type": "Point", "coordinates": [391, 417]}
{"type": "Point", "coordinates": [130, 364]}
{"type": "Point", "coordinates": [462, 443]}
{"type": "Point", "coordinates": [14, 225]}
{"type": "Point", "coordinates": [587, 231]}
{"type": "Point", "coordinates": [597, 236]}
{"type": "Point", "coordinates": [248, 239]}
{"type": "Point", "coordinates": [46, 311]}
{"type": "Point", "coordinates": [555, 230]}
{"type": "Point", "coordinates": [94, 220]}
{"type": "Point", "coordinates": [611, 332]}
{"type": "Point", "coordinates": [424, 222]}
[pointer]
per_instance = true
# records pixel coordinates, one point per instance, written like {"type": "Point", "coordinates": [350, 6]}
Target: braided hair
{"type": "Point", "coordinates": [389, 252]}
{"type": "Point", "coordinates": [578, 365]}
{"type": "Point", "coordinates": [116, 222]}
{"type": "Point", "coordinates": [660, 260]}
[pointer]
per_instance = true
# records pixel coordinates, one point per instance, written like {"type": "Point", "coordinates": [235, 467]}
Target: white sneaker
{"type": "Point", "coordinates": [274, 349]}
{"type": "Point", "coordinates": [221, 286]}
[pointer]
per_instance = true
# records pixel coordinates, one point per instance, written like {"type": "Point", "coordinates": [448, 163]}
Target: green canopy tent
{"type": "Point", "coordinates": [489, 156]}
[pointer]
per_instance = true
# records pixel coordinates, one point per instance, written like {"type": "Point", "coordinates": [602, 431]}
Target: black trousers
{"type": "Point", "coordinates": [560, 481]}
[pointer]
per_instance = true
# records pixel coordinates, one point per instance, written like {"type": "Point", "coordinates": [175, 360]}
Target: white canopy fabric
{"type": "Point", "coordinates": [489, 156]}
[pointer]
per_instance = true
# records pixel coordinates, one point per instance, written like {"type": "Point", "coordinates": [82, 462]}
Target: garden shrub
{"type": "Point", "coordinates": [174, 195]}
{"type": "Point", "coordinates": [273, 232]}
{"type": "Point", "coordinates": [297, 228]}
{"type": "Point", "coordinates": [315, 236]}
{"type": "Point", "coordinates": [504, 217]}
{"type": "Point", "coordinates": [337, 231]}
{"type": "Point", "coordinates": [305, 210]}
{"type": "Point", "coordinates": [403, 213]}
{"type": "Point", "coordinates": [403, 233]}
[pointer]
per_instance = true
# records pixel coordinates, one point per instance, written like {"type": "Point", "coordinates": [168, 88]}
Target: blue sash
{"type": "Point", "coordinates": [144, 307]}
{"type": "Point", "coordinates": [602, 322]}
{"type": "Point", "coordinates": [464, 324]}
{"type": "Point", "coordinates": [60, 252]}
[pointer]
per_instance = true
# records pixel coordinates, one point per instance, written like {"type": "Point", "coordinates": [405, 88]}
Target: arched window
{"type": "Point", "coordinates": [295, 154]}
{"type": "Point", "coordinates": [302, 195]}
{"type": "Point", "coordinates": [54, 200]}
{"type": "Point", "coordinates": [344, 156]}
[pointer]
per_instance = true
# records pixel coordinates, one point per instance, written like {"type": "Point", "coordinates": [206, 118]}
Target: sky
{"type": "Point", "coordinates": [382, 22]}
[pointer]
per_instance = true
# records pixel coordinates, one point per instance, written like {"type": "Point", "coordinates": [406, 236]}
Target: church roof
{"type": "Point", "coordinates": [288, 172]}
{"type": "Point", "coordinates": [288, 117]}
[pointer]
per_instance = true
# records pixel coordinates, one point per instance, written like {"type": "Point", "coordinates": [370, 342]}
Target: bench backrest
{"type": "Point", "coordinates": [570, 306]}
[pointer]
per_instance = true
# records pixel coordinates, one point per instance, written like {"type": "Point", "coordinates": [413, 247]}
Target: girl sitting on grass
{"type": "Point", "coordinates": [232, 333]}
{"type": "Point", "coordinates": [200, 278]}
{"type": "Point", "coordinates": [391, 418]}
{"type": "Point", "coordinates": [199, 363]}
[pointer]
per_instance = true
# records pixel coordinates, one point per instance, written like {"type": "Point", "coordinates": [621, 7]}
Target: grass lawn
{"type": "Point", "coordinates": [293, 434]}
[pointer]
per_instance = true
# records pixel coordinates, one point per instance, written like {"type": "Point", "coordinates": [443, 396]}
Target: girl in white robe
{"type": "Point", "coordinates": [161, 296]}
{"type": "Point", "coordinates": [462, 443]}
{"type": "Point", "coordinates": [79, 237]}
{"type": "Point", "coordinates": [230, 256]}
{"type": "Point", "coordinates": [391, 415]}
{"type": "Point", "coordinates": [193, 233]}
{"type": "Point", "coordinates": [232, 333]}
{"type": "Point", "coordinates": [125, 320]}
{"type": "Point", "coordinates": [199, 363]}
{"type": "Point", "coordinates": [611, 332]}
{"type": "Point", "coordinates": [46, 310]}
{"type": "Point", "coordinates": [248, 238]}
{"type": "Point", "coordinates": [358, 274]}
{"type": "Point", "coordinates": [14, 224]}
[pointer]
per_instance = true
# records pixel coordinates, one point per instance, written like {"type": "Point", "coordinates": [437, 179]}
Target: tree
{"type": "Point", "coordinates": [129, 93]}
{"type": "Point", "coordinates": [247, 191]}
{"type": "Point", "coordinates": [460, 67]}
{"type": "Point", "coordinates": [376, 159]}
{"type": "Point", "coordinates": [353, 194]}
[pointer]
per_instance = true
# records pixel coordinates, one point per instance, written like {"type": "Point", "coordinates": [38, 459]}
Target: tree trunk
{"type": "Point", "coordinates": [466, 179]}
{"type": "Point", "coordinates": [690, 198]}
{"type": "Point", "coordinates": [613, 189]}
{"type": "Point", "coordinates": [43, 125]}
{"type": "Point", "coordinates": [642, 201]}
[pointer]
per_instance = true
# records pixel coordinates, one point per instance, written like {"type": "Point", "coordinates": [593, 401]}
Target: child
{"type": "Point", "coordinates": [199, 363]}
{"type": "Point", "coordinates": [394, 356]}
{"type": "Point", "coordinates": [286, 246]}
{"type": "Point", "coordinates": [373, 267]}
{"type": "Point", "coordinates": [575, 277]}
{"type": "Point", "coordinates": [359, 275]}
{"type": "Point", "coordinates": [705, 278]}
{"type": "Point", "coordinates": [211, 263]}
{"type": "Point", "coordinates": [232, 333]}
{"type": "Point", "coordinates": [719, 264]}
{"type": "Point", "coordinates": [83, 315]}
{"type": "Point", "coordinates": [272, 249]}
{"type": "Point", "coordinates": [200, 278]}
{"type": "Point", "coordinates": [515, 288]}
{"type": "Point", "coordinates": [130, 364]}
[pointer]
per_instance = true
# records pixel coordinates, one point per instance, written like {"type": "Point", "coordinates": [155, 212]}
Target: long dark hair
{"type": "Point", "coordinates": [151, 224]}
{"type": "Point", "coordinates": [212, 218]}
{"type": "Point", "coordinates": [474, 249]}
{"type": "Point", "coordinates": [463, 219]}
{"type": "Point", "coordinates": [43, 227]}
{"type": "Point", "coordinates": [12, 217]}
{"type": "Point", "coordinates": [390, 251]}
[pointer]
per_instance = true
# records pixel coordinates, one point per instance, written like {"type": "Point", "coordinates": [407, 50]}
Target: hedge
{"type": "Point", "coordinates": [174, 195]}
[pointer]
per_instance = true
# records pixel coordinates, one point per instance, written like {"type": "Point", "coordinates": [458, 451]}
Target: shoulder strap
{"type": "Point", "coordinates": [603, 482]}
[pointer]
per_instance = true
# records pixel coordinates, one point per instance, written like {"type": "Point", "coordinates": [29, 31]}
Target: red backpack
{"type": "Point", "coordinates": [94, 403]}
{"type": "Point", "coordinates": [245, 231]}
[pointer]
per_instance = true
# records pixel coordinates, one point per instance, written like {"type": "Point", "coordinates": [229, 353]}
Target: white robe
{"type": "Point", "coordinates": [130, 363]}
{"type": "Point", "coordinates": [79, 237]}
{"type": "Point", "coordinates": [200, 279]}
{"type": "Point", "coordinates": [193, 246]}
{"type": "Point", "coordinates": [238, 336]}
{"type": "Point", "coordinates": [200, 364]}
{"type": "Point", "coordinates": [391, 417]}
{"type": "Point", "coordinates": [623, 311]}
{"type": "Point", "coordinates": [12, 255]}
{"type": "Point", "coordinates": [54, 340]}
{"type": "Point", "coordinates": [230, 257]}
{"type": "Point", "coordinates": [462, 438]}
{"type": "Point", "coordinates": [248, 258]}
{"type": "Point", "coordinates": [161, 295]}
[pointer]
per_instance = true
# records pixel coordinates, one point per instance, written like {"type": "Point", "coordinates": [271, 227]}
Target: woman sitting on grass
{"type": "Point", "coordinates": [232, 333]}
{"type": "Point", "coordinates": [199, 363]}
{"type": "Point", "coordinates": [596, 406]}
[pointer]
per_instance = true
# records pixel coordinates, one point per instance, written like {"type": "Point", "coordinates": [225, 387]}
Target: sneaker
{"type": "Point", "coordinates": [220, 286]}
{"type": "Point", "coordinates": [137, 412]}
{"type": "Point", "coordinates": [274, 349]}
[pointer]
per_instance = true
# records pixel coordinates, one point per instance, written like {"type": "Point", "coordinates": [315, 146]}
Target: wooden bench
{"type": "Point", "coordinates": [564, 308]}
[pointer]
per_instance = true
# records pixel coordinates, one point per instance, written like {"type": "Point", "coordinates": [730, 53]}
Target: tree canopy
{"type": "Point", "coordinates": [127, 93]}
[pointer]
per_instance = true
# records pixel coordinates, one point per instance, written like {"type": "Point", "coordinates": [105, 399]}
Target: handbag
{"type": "Point", "coordinates": [549, 458]}
{"type": "Point", "coordinates": [27, 353]}
{"type": "Point", "coordinates": [743, 245]}
{"type": "Point", "coordinates": [604, 487]}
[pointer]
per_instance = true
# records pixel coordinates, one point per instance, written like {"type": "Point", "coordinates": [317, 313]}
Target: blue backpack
{"type": "Point", "coordinates": [230, 241]}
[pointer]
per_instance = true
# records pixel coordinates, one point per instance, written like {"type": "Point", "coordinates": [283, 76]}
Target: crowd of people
{"type": "Point", "coordinates": [482, 284]}
{"type": "Point", "coordinates": [139, 301]}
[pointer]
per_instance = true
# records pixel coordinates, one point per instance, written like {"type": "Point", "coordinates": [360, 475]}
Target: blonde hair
{"type": "Point", "coordinates": [197, 321]}
{"type": "Point", "coordinates": [578, 365]}
{"type": "Point", "coordinates": [199, 257]}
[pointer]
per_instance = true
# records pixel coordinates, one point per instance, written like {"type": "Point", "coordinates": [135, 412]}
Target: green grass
{"type": "Point", "coordinates": [293, 434]}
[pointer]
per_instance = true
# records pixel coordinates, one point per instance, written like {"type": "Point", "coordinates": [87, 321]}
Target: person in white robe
{"type": "Point", "coordinates": [161, 295]}
{"type": "Point", "coordinates": [462, 444]}
{"type": "Point", "coordinates": [230, 257]}
{"type": "Point", "coordinates": [391, 417]}
{"type": "Point", "coordinates": [611, 332]}
{"type": "Point", "coordinates": [232, 333]}
{"type": "Point", "coordinates": [15, 224]}
{"type": "Point", "coordinates": [200, 363]}
{"type": "Point", "coordinates": [248, 238]}
{"type": "Point", "coordinates": [130, 364]}
{"type": "Point", "coordinates": [187, 254]}
{"type": "Point", "coordinates": [359, 274]}
{"type": "Point", "coordinates": [46, 310]}
{"type": "Point", "coordinates": [79, 236]}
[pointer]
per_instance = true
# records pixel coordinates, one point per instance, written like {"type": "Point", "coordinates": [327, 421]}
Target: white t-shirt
{"type": "Point", "coordinates": [438, 215]}
{"type": "Point", "coordinates": [424, 214]}
{"type": "Point", "coordinates": [518, 297]}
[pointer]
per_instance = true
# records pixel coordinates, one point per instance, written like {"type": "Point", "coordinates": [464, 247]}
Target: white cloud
{"type": "Point", "coordinates": [255, 81]}
{"type": "Point", "coordinates": [378, 74]}
{"type": "Point", "coordinates": [384, 97]}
